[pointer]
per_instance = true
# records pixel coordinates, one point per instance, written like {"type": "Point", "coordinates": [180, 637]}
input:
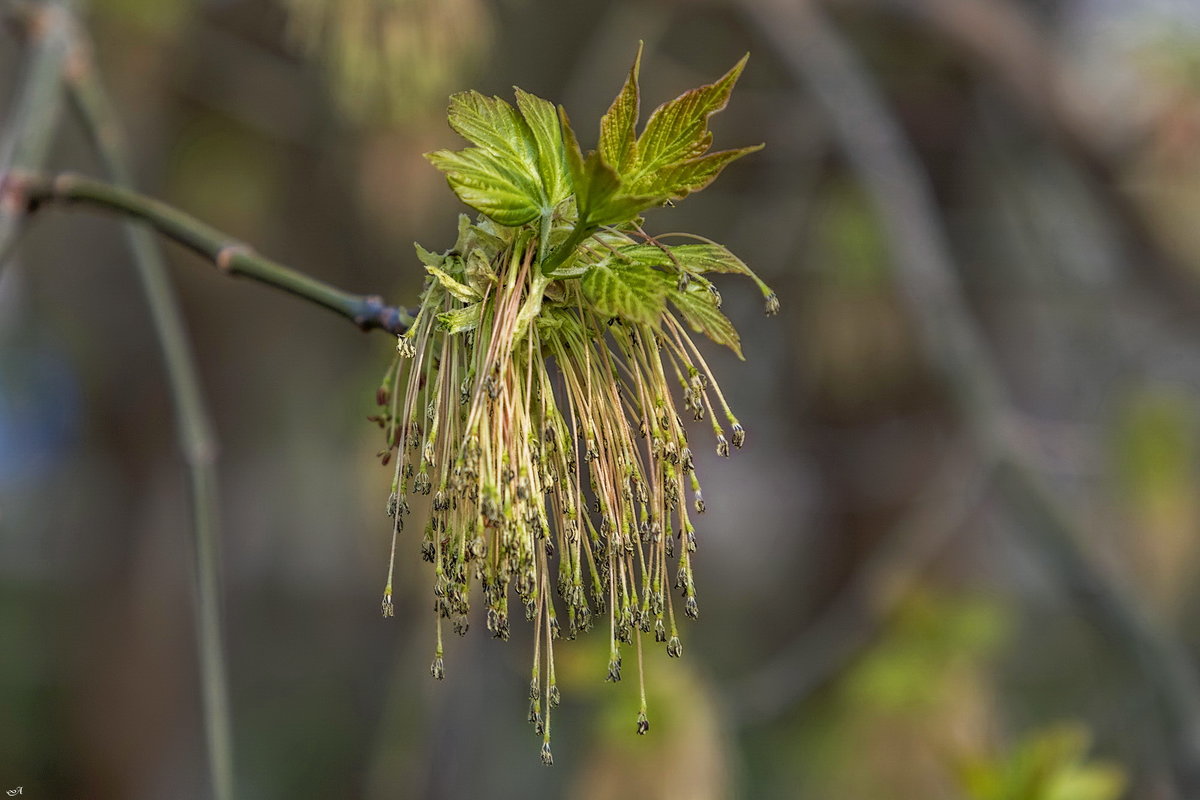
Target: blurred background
{"type": "Point", "coordinates": [956, 558]}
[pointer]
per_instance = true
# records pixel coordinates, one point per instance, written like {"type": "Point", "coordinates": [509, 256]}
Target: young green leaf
{"type": "Point", "coordinates": [678, 180]}
{"type": "Point", "coordinates": [598, 191]}
{"type": "Point", "coordinates": [501, 177]}
{"type": "Point", "coordinates": [618, 137]}
{"type": "Point", "coordinates": [631, 292]}
{"type": "Point", "coordinates": [495, 126]}
{"type": "Point", "coordinates": [571, 268]}
{"type": "Point", "coordinates": [694, 258]}
{"type": "Point", "coordinates": [427, 258]}
{"type": "Point", "coordinates": [699, 309]}
{"type": "Point", "coordinates": [542, 120]}
{"type": "Point", "coordinates": [478, 270]}
{"type": "Point", "coordinates": [678, 129]}
{"type": "Point", "coordinates": [494, 186]}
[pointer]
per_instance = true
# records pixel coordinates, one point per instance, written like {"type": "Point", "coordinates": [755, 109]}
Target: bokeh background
{"type": "Point", "coordinates": [989, 268]}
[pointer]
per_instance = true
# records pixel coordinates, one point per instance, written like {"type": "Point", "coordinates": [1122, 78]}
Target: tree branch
{"type": "Point", "coordinates": [32, 191]}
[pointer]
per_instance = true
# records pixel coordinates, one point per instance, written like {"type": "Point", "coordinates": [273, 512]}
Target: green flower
{"type": "Point", "coordinates": [541, 392]}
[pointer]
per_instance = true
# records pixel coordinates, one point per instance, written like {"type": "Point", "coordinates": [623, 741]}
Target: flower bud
{"type": "Point", "coordinates": [772, 305]}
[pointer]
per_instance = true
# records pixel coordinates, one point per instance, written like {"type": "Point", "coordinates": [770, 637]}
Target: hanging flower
{"type": "Point", "coordinates": [541, 392]}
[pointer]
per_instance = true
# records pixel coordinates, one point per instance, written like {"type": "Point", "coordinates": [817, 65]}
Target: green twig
{"type": "Point", "coordinates": [35, 112]}
{"type": "Point", "coordinates": [230, 256]}
{"type": "Point", "coordinates": [197, 439]}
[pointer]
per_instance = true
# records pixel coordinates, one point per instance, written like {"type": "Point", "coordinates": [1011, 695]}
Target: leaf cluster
{"type": "Point", "coordinates": [1051, 765]}
{"type": "Point", "coordinates": [526, 170]}
{"type": "Point", "coordinates": [527, 160]}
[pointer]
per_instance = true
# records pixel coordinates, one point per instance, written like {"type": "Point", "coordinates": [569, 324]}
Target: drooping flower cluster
{"type": "Point", "coordinates": [387, 58]}
{"type": "Point", "coordinates": [540, 394]}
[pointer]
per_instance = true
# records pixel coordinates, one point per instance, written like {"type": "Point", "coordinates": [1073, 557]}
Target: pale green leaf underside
{"type": "Point", "coordinates": [427, 258]}
{"type": "Point", "coordinates": [697, 259]}
{"type": "Point", "coordinates": [628, 291]}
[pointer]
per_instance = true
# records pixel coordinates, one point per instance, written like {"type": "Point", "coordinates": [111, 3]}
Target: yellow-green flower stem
{"type": "Point", "coordinates": [551, 440]}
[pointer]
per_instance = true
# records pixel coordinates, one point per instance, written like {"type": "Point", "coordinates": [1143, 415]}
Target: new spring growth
{"type": "Point", "coordinates": [539, 397]}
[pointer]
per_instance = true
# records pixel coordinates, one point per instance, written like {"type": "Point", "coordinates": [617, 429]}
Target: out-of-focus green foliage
{"type": "Point", "coordinates": [1049, 765]}
{"type": "Point", "coordinates": [894, 723]}
{"type": "Point", "coordinates": [856, 343]}
{"type": "Point", "coordinates": [1155, 445]}
{"type": "Point", "coordinates": [684, 755]}
{"type": "Point", "coordinates": [932, 636]}
{"type": "Point", "coordinates": [152, 16]}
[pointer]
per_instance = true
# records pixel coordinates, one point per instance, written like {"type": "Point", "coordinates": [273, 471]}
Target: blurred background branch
{"type": "Point", "coordinates": [197, 440]}
{"type": "Point", "coordinates": [1004, 42]}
